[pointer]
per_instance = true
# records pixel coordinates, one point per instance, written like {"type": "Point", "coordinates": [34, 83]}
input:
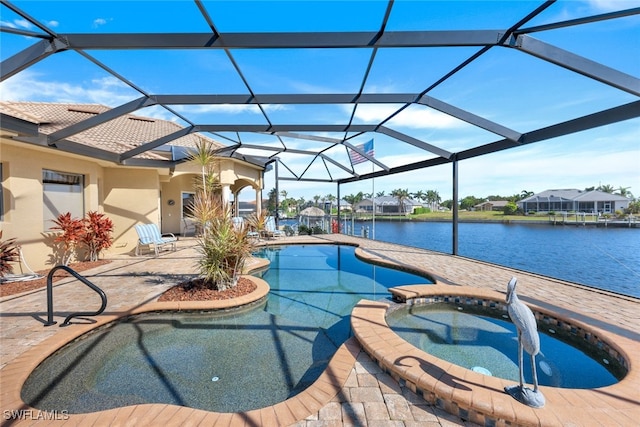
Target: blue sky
{"type": "Point", "coordinates": [504, 85]}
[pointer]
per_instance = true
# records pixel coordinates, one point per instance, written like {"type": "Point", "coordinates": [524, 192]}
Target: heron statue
{"type": "Point", "coordinates": [528, 340]}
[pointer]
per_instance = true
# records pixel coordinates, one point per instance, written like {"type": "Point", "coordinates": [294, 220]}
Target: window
{"type": "Point", "coordinates": [62, 193]}
{"type": "Point", "coordinates": [187, 204]}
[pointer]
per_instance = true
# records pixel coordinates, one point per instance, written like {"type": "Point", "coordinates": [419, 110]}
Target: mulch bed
{"type": "Point", "coordinates": [12, 288]}
{"type": "Point", "coordinates": [197, 290]}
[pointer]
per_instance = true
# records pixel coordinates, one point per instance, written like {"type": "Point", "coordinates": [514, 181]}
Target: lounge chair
{"type": "Point", "coordinates": [149, 234]}
{"type": "Point", "coordinates": [189, 227]}
{"type": "Point", "coordinates": [271, 230]}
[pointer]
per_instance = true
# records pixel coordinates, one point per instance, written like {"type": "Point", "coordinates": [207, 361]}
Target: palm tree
{"type": "Point", "coordinates": [433, 198]}
{"type": "Point", "coordinates": [524, 194]}
{"type": "Point", "coordinates": [380, 193]}
{"type": "Point", "coordinates": [420, 195]}
{"type": "Point", "coordinates": [284, 203]}
{"type": "Point", "coordinates": [330, 198]}
{"type": "Point", "coordinates": [606, 188]}
{"type": "Point", "coordinates": [316, 198]}
{"type": "Point", "coordinates": [437, 198]}
{"type": "Point", "coordinates": [291, 202]}
{"type": "Point", "coordinates": [271, 204]}
{"type": "Point", "coordinates": [351, 199]}
{"type": "Point", "coordinates": [401, 195]}
{"type": "Point", "coordinates": [624, 192]}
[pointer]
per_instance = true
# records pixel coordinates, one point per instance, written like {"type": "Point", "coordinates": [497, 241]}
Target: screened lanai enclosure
{"type": "Point", "coordinates": [302, 85]}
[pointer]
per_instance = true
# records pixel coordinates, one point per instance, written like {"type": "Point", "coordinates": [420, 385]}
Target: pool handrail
{"type": "Point", "coordinates": [81, 278]}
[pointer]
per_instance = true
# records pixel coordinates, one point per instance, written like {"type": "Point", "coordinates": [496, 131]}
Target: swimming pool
{"type": "Point", "coordinates": [489, 345]}
{"type": "Point", "coordinates": [322, 283]}
{"type": "Point", "coordinates": [223, 362]}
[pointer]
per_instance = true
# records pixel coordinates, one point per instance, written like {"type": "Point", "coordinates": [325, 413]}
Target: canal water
{"type": "Point", "coordinates": [604, 258]}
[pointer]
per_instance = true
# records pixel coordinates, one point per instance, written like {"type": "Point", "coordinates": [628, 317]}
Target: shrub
{"type": "Point", "coordinates": [224, 247]}
{"type": "Point", "coordinates": [97, 234]}
{"type": "Point", "coordinates": [510, 208]}
{"type": "Point", "coordinates": [9, 252]}
{"type": "Point", "coordinates": [72, 233]}
{"type": "Point", "coordinates": [93, 232]}
{"type": "Point", "coordinates": [258, 221]}
{"type": "Point", "coordinates": [421, 210]}
{"type": "Point", "coordinates": [303, 229]}
{"type": "Point", "coordinates": [288, 230]}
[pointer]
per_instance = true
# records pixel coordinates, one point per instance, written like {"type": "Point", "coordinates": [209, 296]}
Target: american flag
{"type": "Point", "coordinates": [367, 148]}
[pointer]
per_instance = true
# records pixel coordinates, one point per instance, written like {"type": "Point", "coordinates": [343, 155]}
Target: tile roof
{"type": "Point", "coordinates": [118, 135]}
{"type": "Point", "coordinates": [574, 194]}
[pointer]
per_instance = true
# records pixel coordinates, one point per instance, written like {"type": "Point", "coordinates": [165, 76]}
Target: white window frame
{"type": "Point", "coordinates": [62, 192]}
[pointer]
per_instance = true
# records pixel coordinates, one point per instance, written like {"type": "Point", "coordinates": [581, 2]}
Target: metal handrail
{"type": "Point", "coordinates": [69, 270]}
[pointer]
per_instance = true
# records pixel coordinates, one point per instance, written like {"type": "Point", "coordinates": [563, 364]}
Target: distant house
{"type": "Point", "coordinates": [574, 200]}
{"type": "Point", "coordinates": [344, 206]}
{"type": "Point", "coordinates": [387, 205]}
{"type": "Point", "coordinates": [491, 205]}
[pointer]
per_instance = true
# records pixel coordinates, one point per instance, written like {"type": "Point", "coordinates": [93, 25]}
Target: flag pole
{"type": "Point", "coordinates": [373, 197]}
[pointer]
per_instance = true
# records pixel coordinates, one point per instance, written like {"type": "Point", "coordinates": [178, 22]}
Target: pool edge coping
{"type": "Point", "coordinates": [298, 407]}
{"type": "Point", "coordinates": [479, 398]}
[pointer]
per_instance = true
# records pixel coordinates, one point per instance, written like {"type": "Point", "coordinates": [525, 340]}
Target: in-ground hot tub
{"type": "Point", "coordinates": [481, 338]}
{"type": "Point", "coordinates": [471, 394]}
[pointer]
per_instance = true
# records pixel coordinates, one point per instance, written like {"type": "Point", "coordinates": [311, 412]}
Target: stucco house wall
{"type": "Point", "coordinates": [131, 196]}
{"type": "Point", "coordinates": [23, 196]}
{"type": "Point", "coordinates": [170, 205]}
{"type": "Point", "coordinates": [128, 195]}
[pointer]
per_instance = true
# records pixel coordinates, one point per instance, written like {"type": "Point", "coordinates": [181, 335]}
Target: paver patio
{"type": "Point", "coordinates": [367, 396]}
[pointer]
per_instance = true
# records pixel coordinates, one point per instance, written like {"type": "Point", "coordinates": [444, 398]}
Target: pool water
{"type": "Point", "coordinates": [489, 345]}
{"type": "Point", "coordinates": [223, 362]}
{"type": "Point", "coordinates": [322, 284]}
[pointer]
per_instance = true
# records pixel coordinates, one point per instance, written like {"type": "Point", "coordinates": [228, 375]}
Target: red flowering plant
{"type": "Point", "coordinates": [97, 234]}
{"type": "Point", "coordinates": [72, 233]}
{"type": "Point", "coordinates": [93, 232]}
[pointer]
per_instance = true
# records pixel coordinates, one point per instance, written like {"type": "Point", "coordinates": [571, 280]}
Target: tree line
{"type": "Point", "coordinates": [429, 197]}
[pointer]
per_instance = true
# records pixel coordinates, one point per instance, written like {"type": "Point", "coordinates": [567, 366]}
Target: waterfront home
{"type": "Point", "coordinates": [572, 200]}
{"type": "Point", "coordinates": [58, 158]}
{"type": "Point", "coordinates": [491, 205]}
{"type": "Point", "coordinates": [387, 205]}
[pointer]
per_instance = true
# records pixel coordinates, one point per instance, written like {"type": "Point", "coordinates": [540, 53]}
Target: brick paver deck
{"type": "Point", "coordinates": [357, 392]}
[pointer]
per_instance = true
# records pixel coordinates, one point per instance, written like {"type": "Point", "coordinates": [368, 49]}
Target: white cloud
{"type": "Point", "coordinates": [53, 24]}
{"type": "Point", "coordinates": [27, 86]}
{"type": "Point", "coordinates": [228, 109]}
{"type": "Point", "coordinates": [17, 23]}
{"type": "Point", "coordinates": [611, 5]}
{"type": "Point", "coordinates": [98, 22]}
{"type": "Point", "coordinates": [415, 117]}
